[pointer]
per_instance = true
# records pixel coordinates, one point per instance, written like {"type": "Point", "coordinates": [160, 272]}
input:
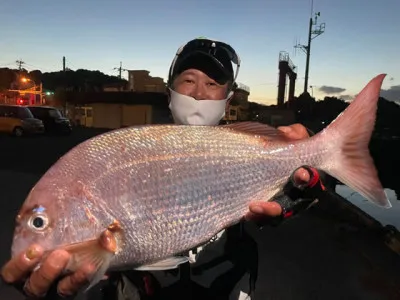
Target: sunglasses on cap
{"type": "Point", "coordinates": [219, 51]}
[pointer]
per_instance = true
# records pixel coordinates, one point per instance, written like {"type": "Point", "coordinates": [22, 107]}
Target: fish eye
{"type": "Point", "coordinates": [38, 222]}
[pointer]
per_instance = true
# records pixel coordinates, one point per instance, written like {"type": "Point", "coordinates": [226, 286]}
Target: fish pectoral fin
{"type": "Point", "coordinates": [96, 253]}
{"type": "Point", "coordinates": [165, 264]}
{"type": "Point", "coordinates": [101, 270]}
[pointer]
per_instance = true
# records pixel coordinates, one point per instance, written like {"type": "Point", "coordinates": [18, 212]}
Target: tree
{"type": "Point", "coordinates": [7, 77]}
{"type": "Point", "coordinates": [79, 80]}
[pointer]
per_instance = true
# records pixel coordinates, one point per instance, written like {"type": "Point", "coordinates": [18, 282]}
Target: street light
{"type": "Point", "coordinates": [24, 79]}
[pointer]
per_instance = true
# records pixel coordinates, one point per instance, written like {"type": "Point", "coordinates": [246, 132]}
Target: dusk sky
{"type": "Point", "coordinates": [360, 40]}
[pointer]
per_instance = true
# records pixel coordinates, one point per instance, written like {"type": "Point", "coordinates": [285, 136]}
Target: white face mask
{"type": "Point", "coordinates": [189, 111]}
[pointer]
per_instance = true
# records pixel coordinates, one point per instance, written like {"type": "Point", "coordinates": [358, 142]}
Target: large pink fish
{"type": "Point", "coordinates": [137, 197]}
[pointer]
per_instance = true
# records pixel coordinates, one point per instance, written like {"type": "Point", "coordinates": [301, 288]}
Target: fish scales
{"type": "Point", "coordinates": [173, 187]}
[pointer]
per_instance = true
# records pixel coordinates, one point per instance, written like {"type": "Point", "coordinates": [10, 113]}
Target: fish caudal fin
{"type": "Point", "coordinates": [352, 132]}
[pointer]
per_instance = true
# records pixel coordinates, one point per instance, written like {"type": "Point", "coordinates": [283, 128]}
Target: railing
{"type": "Point", "coordinates": [284, 56]}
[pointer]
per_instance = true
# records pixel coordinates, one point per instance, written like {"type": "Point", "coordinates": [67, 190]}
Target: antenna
{"type": "Point", "coordinates": [295, 46]}
{"type": "Point", "coordinates": [312, 8]}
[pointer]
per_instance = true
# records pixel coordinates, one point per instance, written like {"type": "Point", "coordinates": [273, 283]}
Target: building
{"type": "Point", "coordinates": [115, 108]}
{"type": "Point", "coordinates": [238, 109]}
{"type": "Point", "coordinates": [115, 87]}
{"type": "Point", "coordinates": [112, 110]}
{"type": "Point", "coordinates": [24, 91]}
{"type": "Point", "coordinates": [141, 81]}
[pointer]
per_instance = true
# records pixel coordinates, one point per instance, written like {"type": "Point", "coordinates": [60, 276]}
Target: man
{"type": "Point", "coordinates": [201, 82]}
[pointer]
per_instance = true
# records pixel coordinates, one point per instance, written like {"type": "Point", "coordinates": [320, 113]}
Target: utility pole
{"type": "Point", "coordinates": [120, 69]}
{"type": "Point", "coordinates": [20, 63]}
{"type": "Point", "coordinates": [40, 93]}
{"type": "Point", "coordinates": [65, 86]}
{"type": "Point", "coordinates": [312, 34]}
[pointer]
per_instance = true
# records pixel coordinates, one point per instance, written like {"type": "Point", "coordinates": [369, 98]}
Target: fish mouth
{"type": "Point", "coordinates": [19, 245]}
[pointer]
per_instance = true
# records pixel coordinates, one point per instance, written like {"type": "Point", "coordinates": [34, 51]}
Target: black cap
{"type": "Point", "coordinates": [211, 57]}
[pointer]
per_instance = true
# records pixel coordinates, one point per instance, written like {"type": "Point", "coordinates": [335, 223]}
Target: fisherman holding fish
{"type": "Point", "coordinates": [201, 83]}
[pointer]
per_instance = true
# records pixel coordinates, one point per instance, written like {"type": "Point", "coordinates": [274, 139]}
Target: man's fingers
{"type": "Point", "coordinates": [41, 280]}
{"type": "Point", "coordinates": [295, 131]}
{"type": "Point", "coordinates": [301, 176]}
{"type": "Point", "coordinates": [267, 209]}
{"type": "Point", "coordinates": [18, 267]}
{"type": "Point", "coordinates": [71, 284]}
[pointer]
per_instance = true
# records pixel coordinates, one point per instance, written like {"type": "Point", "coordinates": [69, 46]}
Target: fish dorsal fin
{"type": "Point", "coordinates": [256, 128]}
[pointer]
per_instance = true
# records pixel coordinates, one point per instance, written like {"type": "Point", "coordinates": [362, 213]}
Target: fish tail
{"type": "Point", "coordinates": [351, 131]}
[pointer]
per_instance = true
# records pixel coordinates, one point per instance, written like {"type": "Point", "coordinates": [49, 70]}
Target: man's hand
{"type": "Point", "coordinates": [39, 282]}
{"type": "Point", "coordinates": [301, 176]}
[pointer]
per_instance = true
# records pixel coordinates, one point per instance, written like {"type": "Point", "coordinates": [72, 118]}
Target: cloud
{"type": "Point", "coordinates": [346, 97]}
{"type": "Point", "coordinates": [329, 90]}
{"type": "Point", "coordinates": [392, 93]}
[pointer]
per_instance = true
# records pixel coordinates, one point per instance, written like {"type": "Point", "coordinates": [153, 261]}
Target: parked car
{"type": "Point", "coordinates": [18, 120]}
{"type": "Point", "coordinates": [54, 122]}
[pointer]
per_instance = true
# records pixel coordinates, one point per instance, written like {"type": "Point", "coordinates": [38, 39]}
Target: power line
{"type": "Point", "coordinates": [38, 68]}
{"type": "Point", "coordinates": [7, 64]}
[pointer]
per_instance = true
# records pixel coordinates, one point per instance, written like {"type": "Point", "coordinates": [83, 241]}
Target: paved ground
{"type": "Point", "coordinates": [315, 256]}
